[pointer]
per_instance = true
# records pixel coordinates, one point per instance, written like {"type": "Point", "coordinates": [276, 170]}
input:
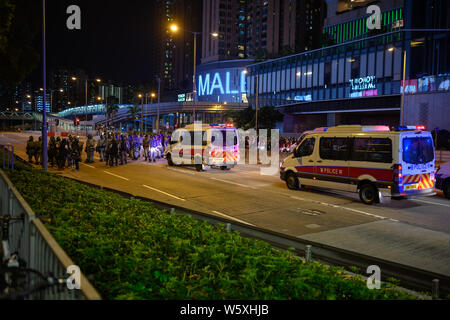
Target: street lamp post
{"type": "Point", "coordinates": [402, 109]}
{"type": "Point", "coordinates": [44, 76]}
{"type": "Point", "coordinates": [256, 102]}
{"type": "Point", "coordinates": [159, 95]}
{"type": "Point", "coordinates": [86, 99]}
{"type": "Point", "coordinates": [175, 28]}
{"type": "Point", "coordinates": [142, 112]}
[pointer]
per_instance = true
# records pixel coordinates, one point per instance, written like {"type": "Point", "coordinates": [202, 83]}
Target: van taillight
{"type": "Point", "coordinates": [398, 173]}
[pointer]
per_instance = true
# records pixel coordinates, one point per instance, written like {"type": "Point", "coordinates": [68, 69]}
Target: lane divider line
{"type": "Point", "coordinates": [231, 182]}
{"type": "Point", "coordinates": [115, 175]}
{"type": "Point", "coordinates": [429, 202]}
{"type": "Point", "coordinates": [181, 171]}
{"type": "Point", "coordinates": [160, 191]}
{"type": "Point", "coordinates": [340, 207]}
{"type": "Point", "coordinates": [84, 164]}
{"type": "Point", "coordinates": [232, 218]}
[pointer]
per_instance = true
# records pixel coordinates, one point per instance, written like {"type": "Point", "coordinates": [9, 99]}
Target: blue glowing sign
{"type": "Point", "coordinates": [217, 86]}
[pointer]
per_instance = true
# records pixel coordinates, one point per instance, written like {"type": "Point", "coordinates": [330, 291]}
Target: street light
{"type": "Point", "coordinates": [140, 96]}
{"type": "Point", "coordinates": [256, 102]}
{"type": "Point", "coordinates": [175, 28]}
{"type": "Point", "coordinates": [86, 98]}
{"type": "Point", "coordinates": [402, 107]}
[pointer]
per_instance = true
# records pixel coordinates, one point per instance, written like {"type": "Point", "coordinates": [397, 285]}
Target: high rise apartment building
{"type": "Point", "coordinates": [260, 29]}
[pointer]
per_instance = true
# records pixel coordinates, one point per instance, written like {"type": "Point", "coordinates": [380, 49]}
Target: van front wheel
{"type": "Point", "coordinates": [368, 193]}
{"type": "Point", "coordinates": [292, 181]}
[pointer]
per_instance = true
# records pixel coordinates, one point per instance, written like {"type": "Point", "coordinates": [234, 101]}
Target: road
{"type": "Point", "coordinates": [413, 232]}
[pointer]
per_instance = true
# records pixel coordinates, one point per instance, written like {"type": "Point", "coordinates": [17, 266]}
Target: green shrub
{"type": "Point", "coordinates": [135, 251]}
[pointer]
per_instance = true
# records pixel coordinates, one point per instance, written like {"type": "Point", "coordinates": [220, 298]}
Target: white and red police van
{"type": "Point", "coordinates": [209, 145]}
{"type": "Point", "coordinates": [370, 160]}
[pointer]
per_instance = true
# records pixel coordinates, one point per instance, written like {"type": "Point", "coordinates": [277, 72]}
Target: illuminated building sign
{"type": "Point", "coordinates": [363, 87]}
{"type": "Point", "coordinates": [361, 84]}
{"type": "Point", "coordinates": [182, 97]}
{"type": "Point", "coordinates": [221, 83]}
{"type": "Point", "coordinates": [303, 98]}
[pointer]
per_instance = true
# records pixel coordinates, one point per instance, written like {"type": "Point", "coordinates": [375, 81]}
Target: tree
{"type": "Point", "coordinates": [244, 119]}
{"type": "Point", "coordinates": [19, 25]}
{"type": "Point", "coordinates": [7, 9]}
{"type": "Point", "coordinates": [268, 117]}
{"type": "Point", "coordinates": [112, 107]}
{"type": "Point", "coordinates": [241, 119]}
{"type": "Point", "coordinates": [133, 112]}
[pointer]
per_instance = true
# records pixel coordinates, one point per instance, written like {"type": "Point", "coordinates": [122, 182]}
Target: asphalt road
{"type": "Point", "coordinates": [243, 194]}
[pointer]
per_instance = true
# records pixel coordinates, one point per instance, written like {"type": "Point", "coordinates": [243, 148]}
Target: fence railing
{"type": "Point", "coordinates": [37, 247]}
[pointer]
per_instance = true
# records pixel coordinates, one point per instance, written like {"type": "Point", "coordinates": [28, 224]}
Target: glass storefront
{"type": "Point", "coordinates": [361, 68]}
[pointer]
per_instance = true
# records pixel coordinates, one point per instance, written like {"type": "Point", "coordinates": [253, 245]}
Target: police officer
{"type": "Point", "coordinates": [123, 150]}
{"type": "Point", "coordinates": [38, 150]}
{"type": "Point", "coordinates": [145, 144]}
{"type": "Point", "coordinates": [113, 153]}
{"type": "Point", "coordinates": [30, 149]}
{"type": "Point", "coordinates": [76, 153]}
{"type": "Point", "coordinates": [90, 149]}
{"type": "Point", "coordinates": [52, 151]}
{"type": "Point", "coordinates": [101, 146]}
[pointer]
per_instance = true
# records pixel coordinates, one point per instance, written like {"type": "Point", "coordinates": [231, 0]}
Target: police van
{"type": "Point", "coordinates": [374, 161]}
{"type": "Point", "coordinates": [209, 145]}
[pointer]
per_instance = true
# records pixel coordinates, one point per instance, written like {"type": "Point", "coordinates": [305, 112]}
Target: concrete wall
{"type": "Point", "coordinates": [429, 109]}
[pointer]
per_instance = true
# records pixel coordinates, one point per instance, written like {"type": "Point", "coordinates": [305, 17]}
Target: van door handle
{"type": "Point", "coordinates": [320, 161]}
{"type": "Point", "coordinates": [311, 161]}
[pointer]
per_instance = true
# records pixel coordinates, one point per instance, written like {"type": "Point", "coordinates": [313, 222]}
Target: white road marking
{"type": "Point", "coordinates": [435, 203]}
{"type": "Point", "coordinates": [339, 207]}
{"type": "Point", "coordinates": [230, 217]}
{"type": "Point", "coordinates": [181, 171]}
{"type": "Point", "coordinates": [84, 164]}
{"type": "Point", "coordinates": [231, 182]}
{"type": "Point", "coordinates": [115, 175]}
{"type": "Point", "coordinates": [167, 194]}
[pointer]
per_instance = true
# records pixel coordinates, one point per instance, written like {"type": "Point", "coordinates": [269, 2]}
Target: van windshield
{"type": "Point", "coordinates": [418, 150]}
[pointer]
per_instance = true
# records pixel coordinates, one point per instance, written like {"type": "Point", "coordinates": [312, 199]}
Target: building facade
{"type": "Point", "coordinates": [176, 49]}
{"type": "Point", "coordinates": [359, 80]}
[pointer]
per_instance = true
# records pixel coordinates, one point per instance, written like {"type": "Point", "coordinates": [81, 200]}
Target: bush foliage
{"type": "Point", "coordinates": [135, 251]}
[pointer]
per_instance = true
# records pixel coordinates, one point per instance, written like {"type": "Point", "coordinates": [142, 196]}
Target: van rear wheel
{"type": "Point", "coordinates": [292, 181]}
{"type": "Point", "coordinates": [368, 194]}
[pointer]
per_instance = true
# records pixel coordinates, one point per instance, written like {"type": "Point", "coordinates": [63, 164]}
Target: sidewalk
{"type": "Point", "coordinates": [393, 241]}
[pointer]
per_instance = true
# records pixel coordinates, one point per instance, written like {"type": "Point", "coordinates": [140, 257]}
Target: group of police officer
{"type": "Point", "coordinates": [113, 149]}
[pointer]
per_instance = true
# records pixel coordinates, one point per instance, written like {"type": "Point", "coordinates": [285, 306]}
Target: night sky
{"type": "Point", "coordinates": [117, 40]}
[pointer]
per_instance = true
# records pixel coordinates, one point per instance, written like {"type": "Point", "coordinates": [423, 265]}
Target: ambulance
{"type": "Point", "coordinates": [374, 161]}
{"type": "Point", "coordinates": [216, 145]}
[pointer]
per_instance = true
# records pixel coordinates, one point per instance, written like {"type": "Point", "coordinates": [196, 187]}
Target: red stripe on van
{"type": "Point", "coordinates": [379, 174]}
{"type": "Point", "coordinates": [305, 169]}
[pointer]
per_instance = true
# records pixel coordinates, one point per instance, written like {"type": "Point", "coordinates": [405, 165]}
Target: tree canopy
{"type": "Point", "coordinates": [19, 25]}
{"type": "Point", "coordinates": [268, 116]}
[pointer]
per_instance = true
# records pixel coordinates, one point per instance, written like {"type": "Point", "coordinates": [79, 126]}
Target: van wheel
{"type": "Point", "coordinates": [368, 193]}
{"type": "Point", "coordinates": [169, 160]}
{"type": "Point", "coordinates": [199, 167]}
{"type": "Point", "coordinates": [446, 189]}
{"type": "Point", "coordinates": [292, 181]}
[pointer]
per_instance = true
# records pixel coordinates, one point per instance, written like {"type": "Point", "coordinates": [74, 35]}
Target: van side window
{"type": "Point", "coordinates": [372, 150]}
{"type": "Point", "coordinates": [306, 148]}
{"type": "Point", "coordinates": [334, 148]}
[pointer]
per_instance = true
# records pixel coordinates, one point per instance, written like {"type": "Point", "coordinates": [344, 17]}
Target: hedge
{"type": "Point", "coordinates": [135, 251]}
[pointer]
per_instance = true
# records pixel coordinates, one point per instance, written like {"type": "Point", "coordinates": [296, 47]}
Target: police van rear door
{"type": "Point", "coordinates": [418, 162]}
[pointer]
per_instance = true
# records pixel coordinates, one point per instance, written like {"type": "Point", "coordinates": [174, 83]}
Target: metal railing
{"type": "Point", "coordinates": [37, 247]}
{"type": "Point", "coordinates": [8, 156]}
